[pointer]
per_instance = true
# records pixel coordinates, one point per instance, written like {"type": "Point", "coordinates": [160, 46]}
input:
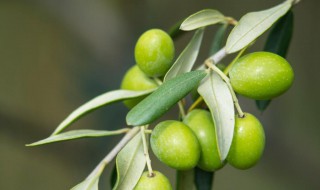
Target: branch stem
{"type": "Point", "coordinates": [109, 157]}
{"type": "Point", "coordinates": [217, 57]}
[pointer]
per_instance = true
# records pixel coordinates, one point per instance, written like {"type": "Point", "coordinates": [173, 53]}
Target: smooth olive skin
{"type": "Point", "coordinates": [157, 182]}
{"type": "Point", "coordinates": [201, 123]}
{"type": "Point", "coordinates": [261, 75]}
{"type": "Point", "coordinates": [248, 142]}
{"type": "Point", "coordinates": [174, 144]}
{"type": "Point", "coordinates": [135, 79]}
{"type": "Point", "coordinates": [154, 52]}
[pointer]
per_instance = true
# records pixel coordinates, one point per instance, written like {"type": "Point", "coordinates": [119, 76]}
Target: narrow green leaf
{"type": "Point", "coordinates": [253, 24]}
{"type": "Point", "coordinates": [217, 42]}
{"type": "Point", "coordinates": [88, 184]}
{"type": "Point", "coordinates": [113, 177]}
{"type": "Point", "coordinates": [202, 18]}
{"type": "Point", "coordinates": [161, 100]}
{"type": "Point", "coordinates": [175, 31]}
{"type": "Point", "coordinates": [203, 179]}
{"type": "Point", "coordinates": [280, 36]}
{"type": "Point", "coordinates": [76, 134]}
{"type": "Point", "coordinates": [217, 96]}
{"type": "Point", "coordinates": [278, 42]}
{"type": "Point", "coordinates": [187, 58]}
{"type": "Point", "coordinates": [185, 180]}
{"type": "Point", "coordinates": [262, 104]}
{"type": "Point", "coordinates": [99, 101]}
{"type": "Point", "coordinates": [130, 164]}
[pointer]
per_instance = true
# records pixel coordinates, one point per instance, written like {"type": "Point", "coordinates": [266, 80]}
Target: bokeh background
{"type": "Point", "coordinates": [56, 55]}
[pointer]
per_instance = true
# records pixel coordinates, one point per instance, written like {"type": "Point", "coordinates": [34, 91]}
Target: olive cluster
{"type": "Point", "coordinates": [192, 142]}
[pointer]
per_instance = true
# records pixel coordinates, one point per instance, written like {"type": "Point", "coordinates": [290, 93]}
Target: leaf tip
{"type": "Point", "coordinates": [128, 120]}
{"type": "Point", "coordinates": [183, 28]}
{"type": "Point", "coordinates": [32, 144]}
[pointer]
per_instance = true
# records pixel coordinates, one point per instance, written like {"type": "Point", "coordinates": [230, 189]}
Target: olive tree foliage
{"type": "Point", "coordinates": [215, 93]}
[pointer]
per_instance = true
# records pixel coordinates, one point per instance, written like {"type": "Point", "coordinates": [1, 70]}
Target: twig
{"type": "Point", "coordinates": [217, 57]}
{"type": "Point", "coordinates": [100, 167]}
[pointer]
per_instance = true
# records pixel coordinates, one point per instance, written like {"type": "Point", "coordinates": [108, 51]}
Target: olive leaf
{"type": "Point", "coordinates": [130, 164]}
{"type": "Point", "coordinates": [187, 58]}
{"type": "Point", "coordinates": [278, 42]}
{"type": "Point", "coordinates": [262, 104]}
{"type": "Point", "coordinates": [201, 19]}
{"type": "Point", "coordinates": [203, 179]}
{"type": "Point", "coordinates": [76, 134]}
{"type": "Point", "coordinates": [217, 96]}
{"type": "Point", "coordinates": [219, 36]}
{"type": "Point", "coordinates": [185, 180]}
{"type": "Point", "coordinates": [113, 176]}
{"type": "Point", "coordinates": [280, 36]}
{"type": "Point", "coordinates": [175, 32]}
{"type": "Point", "coordinates": [161, 100]}
{"type": "Point", "coordinates": [91, 183]}
{"type": "Point", "coordinates": [99, 101]}
{"type": "Point", "coordinates": [253, 24]}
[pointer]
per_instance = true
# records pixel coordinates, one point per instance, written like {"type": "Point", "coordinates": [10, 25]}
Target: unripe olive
{"type": "Point", "coordinates": [155, 182]}
{"type": "Point", "coordinates": [135, 79]}
{"type": "Point", "coordinates": [248, 142]}
{"type": "Point", "coordinates": [154, 52]}
{"type": "Point", "coordinates": [201, 123]}
{"type": "Point", "coordinates": [261, 75]}
{"type": "Point", "coordinates": [175, 144]}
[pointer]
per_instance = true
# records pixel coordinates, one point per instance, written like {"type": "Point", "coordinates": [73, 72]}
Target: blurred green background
{"type": "Point", "coordinates": [56, 55]}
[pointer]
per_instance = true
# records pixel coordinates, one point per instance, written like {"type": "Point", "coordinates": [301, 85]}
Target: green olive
{"type": "Point", "coordinates": [201, 123]}
{"type": "Point", "coordinates": [248, 142]}
{"type": "Point", "coordinates": [154, 52]}
{"type": "Point", "coordinates": [261, 75]}
{"type": "Point", "coordinates": [157, 181]}
{"type": "Point", "coordinates": [135, 79]}
{"type": "Point", "coordinates": [175, 144]}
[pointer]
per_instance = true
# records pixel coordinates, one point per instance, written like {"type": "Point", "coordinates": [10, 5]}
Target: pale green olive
{"type": "Point", "coordinates": [154, 52]}
{"type": "Point", "coordinates": [175, 144]}
{"type": "Point", "coordinates": [261, 75]}
{"type": "Point", "coordinates": [157, 181]}
{"type": "Point", "coordinates": [200, 122]}
{"type": "Point", "coordinates": [248, 142]}
{"type": "Point", "coordinates": [135, 79]}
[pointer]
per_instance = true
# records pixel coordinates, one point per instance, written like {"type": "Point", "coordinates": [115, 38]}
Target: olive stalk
{"type": "Point", "coordinates": [145, 149]}
{"type": "Point", "coordinates": [181, 109]}
{"type": "Point", "coordinates": [147, 131]}
{"type": "Point", "coordinates": [226, 79]}
{"type": "Point", "coordinates": [214, 59]}
{"type": "Point", "coordinates": [195, 104]}
{"type": "Point", "coordinates": [226, 70]}
{"type": "Point", "coordinates": [231, 21]}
